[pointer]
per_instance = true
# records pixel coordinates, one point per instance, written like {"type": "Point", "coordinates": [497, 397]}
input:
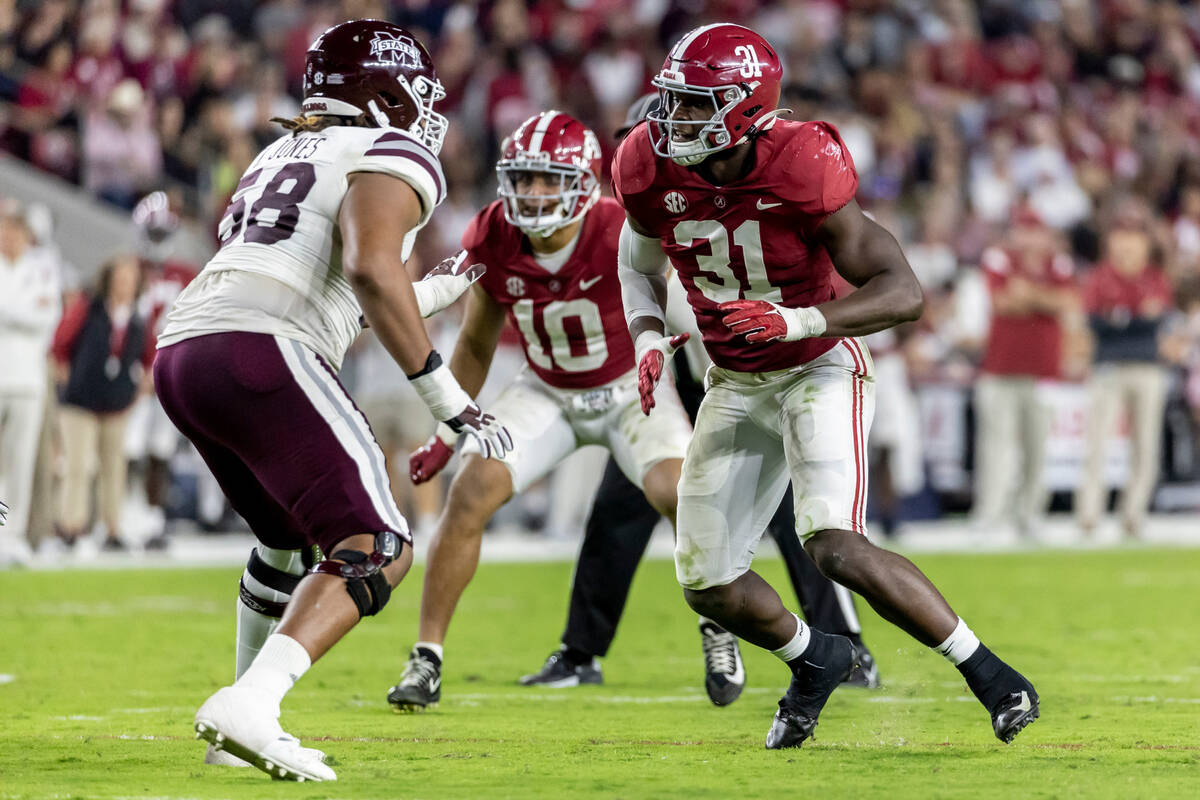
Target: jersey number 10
{"type": "Point", "coordinates": [581, 350]}
{"type": "Point", "coordinates": [273, 215]}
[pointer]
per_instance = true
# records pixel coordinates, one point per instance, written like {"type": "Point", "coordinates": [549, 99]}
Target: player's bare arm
{"type": "Point", "coordinates": [477, 340]}
{"type": "Point", "coordinates": [376, 214]}
{"type": "Point", "coordinates": [865, 254]}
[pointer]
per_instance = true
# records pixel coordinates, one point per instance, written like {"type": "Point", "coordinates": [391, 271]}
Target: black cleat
{"type": "Point", "coordinates": [724, 674]}
{"type": "Point", "coordinates": [806, 695]}
{"type": "Point", "coordinates": [559, 673]}
{"type": "Point", "coordinates": [1012, 714]}
{"type": "Point", "coordinates": [420, 686]}
{"type": "Point", "coordinates": [865, 674]}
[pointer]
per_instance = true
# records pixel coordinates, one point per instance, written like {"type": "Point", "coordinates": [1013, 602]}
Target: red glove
{"type": "Point", "coordinates": [428, 460]}
{"type": "Point", "coordinates": [764, 321]}
{"type": "Point", "coordinates": [653, 352]}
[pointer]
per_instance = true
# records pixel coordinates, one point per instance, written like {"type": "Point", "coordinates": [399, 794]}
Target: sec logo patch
{"type": "Point", "coordinates": [515, 286]}
{"type": "Point", "coordinates": [675, 202]}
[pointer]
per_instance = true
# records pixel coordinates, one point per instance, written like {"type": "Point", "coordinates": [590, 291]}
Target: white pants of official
{"type": "Point", "coordinates": [756, 431]}
{"type": "Point", "coordinates": [20, 428]}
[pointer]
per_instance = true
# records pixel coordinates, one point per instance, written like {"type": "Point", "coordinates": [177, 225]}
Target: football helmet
{"type": "Point", "coordinates": [561, 149]}
{"type": "Point", "coordinates": [153, 217]}
{"type": "Point", "coordinates": [372, 67]}
{"type": "Point", "coordinates": [718, 84]}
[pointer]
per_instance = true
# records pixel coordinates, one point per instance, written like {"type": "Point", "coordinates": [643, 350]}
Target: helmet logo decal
{"type": "Point", "coordinates": [751, 66]}
{"type": "Point", "coordinates": [515, 286]}
{"type": "Point", "coordinates": [391, 48]}
{"type": "Point", "coordinates": [675, 202]}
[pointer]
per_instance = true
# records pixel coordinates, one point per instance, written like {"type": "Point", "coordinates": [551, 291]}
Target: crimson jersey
{"type": "Point", "coordinates": [164, 282]}
{"type": "Point", "coordinates": [749, 239]}
{"type": "Point", "coordinates": [572, 322]}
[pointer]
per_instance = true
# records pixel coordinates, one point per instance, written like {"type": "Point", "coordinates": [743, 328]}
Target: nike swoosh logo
{"type": "Point", "coordinates": [811, 664]}
{"type": "Point", "coordinates": [434, 684]}
{"type": "Point", "coordinates": [764, 206]}
{"type": "Point", "coordinates": [1025, 703]}
{"type": "Point", "coordinates": [585, 285]}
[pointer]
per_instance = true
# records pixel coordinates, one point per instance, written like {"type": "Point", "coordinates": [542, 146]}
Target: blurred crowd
{"type": "Point", "coordinates": [1039, 160]}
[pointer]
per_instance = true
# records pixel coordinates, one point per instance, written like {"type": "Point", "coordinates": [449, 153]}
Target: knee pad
{"type": "Point", "coordinates": [363, 572]}
{"type": "Point", "coordinates": [270, 578]}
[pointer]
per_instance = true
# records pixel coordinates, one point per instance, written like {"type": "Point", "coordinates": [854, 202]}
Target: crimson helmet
{"type": "Point", "coordinates": [153, 217]}
{"type": "Point", "coordinates": [726, 69]}
{"type": "Point", "coordinates": [372, 67]}
{"type": "Point", "coordinates": [563, 149]}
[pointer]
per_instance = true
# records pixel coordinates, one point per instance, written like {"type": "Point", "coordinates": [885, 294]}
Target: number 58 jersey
{"type": "Point", "coordinates": [279, 266]}
{"type": "Point", "coordinates": [749, 239]}
{"type": "Point", "coordinates": [571, 319]}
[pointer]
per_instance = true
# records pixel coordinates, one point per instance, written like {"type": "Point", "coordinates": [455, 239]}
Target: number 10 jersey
{"type": "Point", "coordinates": [279, 267]}
{"type": "Point", "coordinates": [571, 321]}
{"type": "Point", "coordinates": [749, 239]}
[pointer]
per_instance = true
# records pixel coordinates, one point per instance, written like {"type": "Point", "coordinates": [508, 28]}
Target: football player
{"type": "Point", "coordinates": [756, 213]}
{"type": "Point", "coordinates": [150, 438]}
{"type": "Point", "coordinates": [550, 246]}
{"type": "Point", "coordinates": [313, 244]}
{"type": "Point", "coordinates": [621, 523]}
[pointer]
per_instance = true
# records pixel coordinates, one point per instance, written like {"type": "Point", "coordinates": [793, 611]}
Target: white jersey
{"type": "Point", "coordinates": [279, 268]}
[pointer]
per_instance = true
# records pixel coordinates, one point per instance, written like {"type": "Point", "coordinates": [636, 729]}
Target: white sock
{"type": "Point", "coordinates": [433, 647]}
{"type": "Point", "coordinates": [277, 667]}
{"type": "Point", "coordinates": [253, 629]}
{"type": "Point", "coordinates": [798, 644]}
{"type": "Point", "coordinates": [960, 645]}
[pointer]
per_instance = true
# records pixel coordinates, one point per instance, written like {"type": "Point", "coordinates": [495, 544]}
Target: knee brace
{"type": "Point", "coordinates": [270, 578]}
{"type": "Point", "coordinates": [363, 572]}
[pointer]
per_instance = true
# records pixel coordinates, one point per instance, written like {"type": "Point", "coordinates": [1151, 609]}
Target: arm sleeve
{"type": "Point", "coordinates": [68, 330]}
{"type": "Point", "coordinates": [400, 155]}
{"type": "Point", "coordinates": [642, 269]}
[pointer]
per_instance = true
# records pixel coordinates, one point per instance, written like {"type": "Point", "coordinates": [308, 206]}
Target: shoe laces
{"type": "Point", "coordinates": [720, 652]}
{"type": "Point", "coordinates": [418, 671]}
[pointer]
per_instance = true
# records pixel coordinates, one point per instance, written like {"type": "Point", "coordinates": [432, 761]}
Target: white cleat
{"type": "Point", "coordinates": [237, 721]}
{"type": "Point", "coordinates": [222, 758]}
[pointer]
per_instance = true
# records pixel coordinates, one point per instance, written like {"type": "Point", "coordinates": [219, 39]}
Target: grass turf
{"type": "Point", "coordinates": [108, 667]}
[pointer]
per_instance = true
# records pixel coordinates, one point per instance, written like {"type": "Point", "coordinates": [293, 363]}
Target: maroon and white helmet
{"type": "Point", "coordinates": [372, 67]}
{"type": "Point", "coordinates": [725, 67]}
{"type": "Point", "coordinates": [566, 152]}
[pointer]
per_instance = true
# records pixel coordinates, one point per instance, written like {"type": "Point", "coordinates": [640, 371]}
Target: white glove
{"type": "Point", "coordinates": [445, 283]}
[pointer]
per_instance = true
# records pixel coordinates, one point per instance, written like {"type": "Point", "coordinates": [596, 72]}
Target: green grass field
{"type": "Point", "coordinates": [108, 667]}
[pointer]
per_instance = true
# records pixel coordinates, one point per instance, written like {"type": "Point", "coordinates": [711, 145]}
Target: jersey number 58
{"type": "Point", "coordinates": [273, 215]}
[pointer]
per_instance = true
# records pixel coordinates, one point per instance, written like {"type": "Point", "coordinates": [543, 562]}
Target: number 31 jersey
{"type": "Point", "coordinates": [749, 239]}
{"type": "Point", "coordinates": [571, 321]}
{"type": "Point", "coordinates": [281, 225]}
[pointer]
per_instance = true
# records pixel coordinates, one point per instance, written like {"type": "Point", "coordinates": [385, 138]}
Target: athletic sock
{"type": "Point", "coordinates": [277, 667]}
{"type": "Point", "coordinates": [253, 629]}
{"type": "Point", "coordinates": [576, 657]}
{"type": "Point", "coordinates": [959, 645]}
{"type": "Point", "coordinates": [432, 651]}
{"type": "Point", "coordinates": [807, 645]}
{"type": "Point", "coordinates": [253, 626]}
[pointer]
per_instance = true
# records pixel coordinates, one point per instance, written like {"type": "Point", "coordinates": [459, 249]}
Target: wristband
{"type": "Point", "coordinates": [440, 391]}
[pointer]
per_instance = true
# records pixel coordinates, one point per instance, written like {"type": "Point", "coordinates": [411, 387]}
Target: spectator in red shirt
{"type": "Point", "coordinates": [103, 350]}
{"type": "Point", "coordinates": [1030, 285]}
{"type": "Point", "coordinates": [1126, 298]}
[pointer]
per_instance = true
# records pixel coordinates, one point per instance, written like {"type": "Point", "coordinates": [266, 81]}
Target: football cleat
{"type": "Point", "coordinates": [222, 758]}
{"type": "Point", "coordinates": [1012, 714]}
{"type": "Point", "coordinates": [559, 673]}
{"type": "Point", "coordinates": [420, 686]}
{"type": "Point", "coordinates": [866, 673]}
{"type": "Point", "coordinates": [724, 674]}
{"type": "Point", "coordinates": [806, 696]}
{"type": "Point", "coordinates": [238, 721]}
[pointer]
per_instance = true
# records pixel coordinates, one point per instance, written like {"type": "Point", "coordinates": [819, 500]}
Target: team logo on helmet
{"type": "Point", "coordinates": [515, 286]}
{"type": "Point", "coordinates": [675, 202]}
{"type": "Point", "coordinates": [393, 48]}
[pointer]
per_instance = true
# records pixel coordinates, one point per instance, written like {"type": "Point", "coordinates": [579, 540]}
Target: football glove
{"type": "Point", "coordinates": [445, 283]}
{"type": "Point", "coordinates": [652, 353]}
{"type": "Point", "coordinates": [764, 321]}
{"type": "Point", "coordinates": [433, 456]}
{"type": "Point", "coordinates": [493, 438]}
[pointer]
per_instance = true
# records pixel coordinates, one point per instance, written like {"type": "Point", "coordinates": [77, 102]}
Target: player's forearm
{"type": "Point", "coordinates": [470, 364]}
{"type": "Point", "coordinates": [390, 307]}
{"type": "Point", "coordinates": [642, 270]}
{"type": "Point", "coordinates": [886, 300]}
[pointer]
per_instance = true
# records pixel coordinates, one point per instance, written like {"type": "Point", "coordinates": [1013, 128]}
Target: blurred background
{"type": "Point", "coordinates": [1039, 161]}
